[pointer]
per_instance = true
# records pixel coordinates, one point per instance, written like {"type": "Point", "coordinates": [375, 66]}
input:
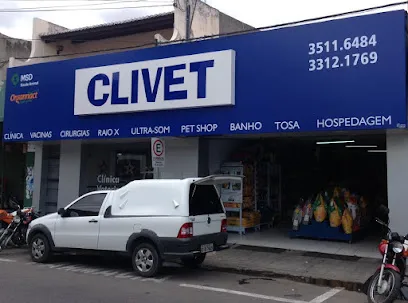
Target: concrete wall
{"type": "Point", "coordinates": [227, 25]}
{"type": "Point", "coordinates": [70, 50]}
{"type": "Point", "coordinates": [10, 47]}
{"type": "Point", "coordinates": [206, 21]}
{"type": "Point", "coordinates": [181, 158]}
{"type": "Point", "coordinates": [69, 172]}
{"type": "Point", "coordinates": [38, 162]}
{"type": "Point", "coordinates": [397, 175]}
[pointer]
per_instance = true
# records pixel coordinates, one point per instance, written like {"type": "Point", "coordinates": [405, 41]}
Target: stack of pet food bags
{"type": "Point", "coordinates": [341, 208]}
{"type": "Point", "coordinates": [302, 214]}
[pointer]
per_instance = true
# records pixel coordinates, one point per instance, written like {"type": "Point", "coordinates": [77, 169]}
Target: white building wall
{"type": "Point", "coordinates": [69, 172]}
{"type": "Point", "coordinates": [397, 175]}
{"type": "Point", "coordinates": [37, 174]}
{"type": "Point", "coordinates": [181, 158]}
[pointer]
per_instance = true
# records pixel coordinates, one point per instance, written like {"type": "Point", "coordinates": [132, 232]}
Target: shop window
{"type": "Point", "coordinates": [129, 167]}
{"type": "Point", "coordinates": [111, 166]}
{"type": "Point", "coordinates": [86, 207]}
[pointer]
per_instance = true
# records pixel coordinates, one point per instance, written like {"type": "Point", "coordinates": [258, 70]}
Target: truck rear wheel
{"type": "Point", "coordinates": [146, 260]}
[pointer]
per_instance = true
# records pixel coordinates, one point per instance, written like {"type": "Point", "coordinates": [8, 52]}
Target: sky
{"type": "Point", "coordinates": [17, 23]}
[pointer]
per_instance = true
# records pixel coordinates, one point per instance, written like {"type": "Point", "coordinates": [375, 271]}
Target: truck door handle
{"type": "Point", "coordinates": [93, 221]}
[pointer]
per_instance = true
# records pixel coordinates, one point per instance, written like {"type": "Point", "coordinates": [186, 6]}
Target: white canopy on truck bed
{"type": "Point", "coordinates": [165, 197]}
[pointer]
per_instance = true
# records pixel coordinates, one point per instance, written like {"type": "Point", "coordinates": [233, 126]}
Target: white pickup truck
{"type": "Point", "coordinates": [151, 220]}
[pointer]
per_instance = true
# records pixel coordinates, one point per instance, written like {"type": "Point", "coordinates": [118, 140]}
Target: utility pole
{"type": "Point", "coordinates": [188, 19]}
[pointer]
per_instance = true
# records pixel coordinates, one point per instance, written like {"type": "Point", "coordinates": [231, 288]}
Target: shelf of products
{"type": "Point", "coordinates": [238, 198]}
{"type": "Point", "coordinates": [338, 215]}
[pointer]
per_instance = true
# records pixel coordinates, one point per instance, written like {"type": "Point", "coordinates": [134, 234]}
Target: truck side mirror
{"type": "Point", "coordinates": [61, 212]}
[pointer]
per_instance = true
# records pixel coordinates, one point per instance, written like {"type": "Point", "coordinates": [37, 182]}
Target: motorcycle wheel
{"type": "Point", "coordinates": [17, 240]}
{"type": "Point", "coordinates": [388, 291]}
{"type": "Point", "coordinates": [3, 238]}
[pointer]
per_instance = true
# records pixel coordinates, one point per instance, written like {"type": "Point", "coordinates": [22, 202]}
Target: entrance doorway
{"type": "Point", "coordinates": [287, 174]}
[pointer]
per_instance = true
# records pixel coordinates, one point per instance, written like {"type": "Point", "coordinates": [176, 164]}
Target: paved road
{"type": "Point", "coordinates": [89, 280]}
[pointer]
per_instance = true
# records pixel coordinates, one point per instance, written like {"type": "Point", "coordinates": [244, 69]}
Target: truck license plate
{"type": "Point", "coordinates": [207, 248]}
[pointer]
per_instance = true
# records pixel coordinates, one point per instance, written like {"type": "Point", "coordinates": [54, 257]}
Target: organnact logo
{"type": "Point", "coordinates": [24, 98]}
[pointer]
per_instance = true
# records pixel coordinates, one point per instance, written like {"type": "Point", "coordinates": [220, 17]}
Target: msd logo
{"type": "Point", "coordinates": [24, 80]}
{"type": "Point", "coordinates": [201, 80]}
{"type": "Point", "coordinates": [26, 77]}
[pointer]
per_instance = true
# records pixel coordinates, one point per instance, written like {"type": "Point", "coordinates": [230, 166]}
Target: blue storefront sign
{"type": "Point", "coordinates": [347, 74]}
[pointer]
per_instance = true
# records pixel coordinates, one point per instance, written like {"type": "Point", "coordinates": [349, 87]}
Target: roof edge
{"type": "Point", "coordinates": [159, 19]}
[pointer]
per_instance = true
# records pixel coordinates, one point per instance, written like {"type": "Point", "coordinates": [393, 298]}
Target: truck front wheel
{"type": "Point", "coordinates": [40, 249]}
{"type": "Point", "coordinates": [146, 261]}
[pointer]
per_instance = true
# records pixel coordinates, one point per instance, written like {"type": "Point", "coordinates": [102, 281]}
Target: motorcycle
{"type": "Point", "coordinates": [6, 215]}
{"type": "Point", "coordinates": [387, 282]}
{"type": "Point", "coordinates": [5, 219]}
{"type": "Point", "coordinates": [16, 231]}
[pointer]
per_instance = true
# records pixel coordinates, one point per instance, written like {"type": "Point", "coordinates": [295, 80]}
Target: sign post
{"type": "Point", "coordinates": [158, 154]}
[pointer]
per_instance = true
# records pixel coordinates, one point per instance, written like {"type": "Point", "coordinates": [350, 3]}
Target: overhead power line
{"type": "Point", "coordinates": [16, 1]}
{"type": "Point", "coordinates": [73, 8]}
{"type": "Point", "coordinates": [79, 2]}
{"type": "Point", "coordinates": [76, 6]}
{"type": "Point", "coordinates": [365, 10]}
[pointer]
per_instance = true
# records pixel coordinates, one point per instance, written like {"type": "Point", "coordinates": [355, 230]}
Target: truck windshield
{"type": "Point", "coordinates": [204, 200]}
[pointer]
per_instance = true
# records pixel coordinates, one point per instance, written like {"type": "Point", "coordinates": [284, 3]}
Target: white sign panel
{"type": "Point", "coordinates": [202, 80]}
{"type": "Point", "coordinates": [158, 152]}
{"type": "Point", "coordinates": [30, 148]}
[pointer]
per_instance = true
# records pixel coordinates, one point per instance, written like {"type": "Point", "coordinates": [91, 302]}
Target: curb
{"type": "Point", "coordinates": [347, 285]}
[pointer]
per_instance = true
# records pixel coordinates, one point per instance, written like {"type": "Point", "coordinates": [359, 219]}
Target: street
{"type": "Point", "coordinates": [89, 279]}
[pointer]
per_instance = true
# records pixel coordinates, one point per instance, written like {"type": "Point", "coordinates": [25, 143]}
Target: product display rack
{"type": "Point", "coordinates": [232, 228]}
{"type": "Point", "coordinates": [236, 196]}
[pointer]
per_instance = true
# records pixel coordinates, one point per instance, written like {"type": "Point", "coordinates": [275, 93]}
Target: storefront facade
{"type": "Point", "coordinates": [90, 119]}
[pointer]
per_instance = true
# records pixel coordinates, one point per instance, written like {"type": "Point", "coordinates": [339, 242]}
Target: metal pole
{"type": "Point", "coordinates": [3, 164]}
{"type": "Point", "coordinates": [188, 17]}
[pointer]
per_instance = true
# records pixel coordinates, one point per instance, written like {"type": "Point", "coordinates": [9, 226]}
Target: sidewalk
{"type": "Point", "coordinates": [309, 267]}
